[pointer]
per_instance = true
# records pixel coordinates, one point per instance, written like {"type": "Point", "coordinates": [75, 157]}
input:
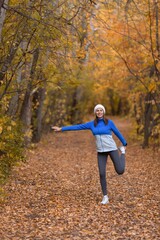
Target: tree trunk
{"type": "Point", "coordinates": [38, 100]}
{"type": "Point", "coordinates": [7, 63]}
{"type": "Point", "coordinates": [13, 49]}
{"type": "Point", "coordinates": [110, 94]}
{"type": "Point", "coordinates": [2, 15]}
{"type": "Point", "coordinates": [14, 101]}
{"type": "Point", "coordinates": [157, 27]}
{"type": "Point", "coordinates": [26, 110]}
{"type": "Point", "coordinates": [13, 105]}
{"type": "Point", "coordinates": [119, 108]}
{"type": "Point", "coordinates": [147, 119]}
{"type": "Point", "coordinates": [73, 107]}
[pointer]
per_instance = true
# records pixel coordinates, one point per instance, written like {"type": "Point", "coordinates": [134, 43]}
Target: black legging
{"type": "Point", "coordinates": [118, 162]}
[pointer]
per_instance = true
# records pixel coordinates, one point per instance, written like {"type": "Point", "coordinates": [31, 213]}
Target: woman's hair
{"type": "Point", "coordinates": [96, 121]}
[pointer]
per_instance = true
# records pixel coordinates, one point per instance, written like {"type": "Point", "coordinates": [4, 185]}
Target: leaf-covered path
{"type": "Point", "coordinates": [56, 194]}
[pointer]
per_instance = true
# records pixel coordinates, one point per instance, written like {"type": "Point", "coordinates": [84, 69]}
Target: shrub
{"type": "Point", "coordinates": [11, 145]}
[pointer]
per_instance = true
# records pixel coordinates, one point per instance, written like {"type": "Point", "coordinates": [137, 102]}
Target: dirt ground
{"type": "Point", "coordinates": [56, 194]}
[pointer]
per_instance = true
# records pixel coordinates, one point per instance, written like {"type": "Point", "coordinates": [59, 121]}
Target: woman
{"type": "Point", "coordinates": [102, 129]}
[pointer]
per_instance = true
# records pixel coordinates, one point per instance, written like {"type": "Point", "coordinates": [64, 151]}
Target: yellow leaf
{"type": "Point", "coordinates": [1, 130]}
{"type": "Point", "coordinates": [9, 128]}
{"type": "Point", "coordinates": [13, 123]}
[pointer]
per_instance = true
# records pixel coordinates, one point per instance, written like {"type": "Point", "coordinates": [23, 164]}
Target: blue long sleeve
{"type": "Point", "coordinates": [83, 126]}
{"type": "Point", "coordinates": [100, 129]}
{"type": "Point", "coordinates": [118, 133]}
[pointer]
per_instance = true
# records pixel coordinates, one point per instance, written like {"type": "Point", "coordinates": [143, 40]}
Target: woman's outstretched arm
{"type": "Point", "coordinates": [83, 126]}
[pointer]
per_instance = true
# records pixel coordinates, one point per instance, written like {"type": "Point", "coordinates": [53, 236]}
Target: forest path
{"type": "Point", "coordinates": [56, 194]}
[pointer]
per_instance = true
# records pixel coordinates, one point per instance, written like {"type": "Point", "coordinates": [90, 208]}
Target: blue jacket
{"type": "Point", "coordinates": [99, 130]}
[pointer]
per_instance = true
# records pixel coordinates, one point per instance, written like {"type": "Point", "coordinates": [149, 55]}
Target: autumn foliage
{"type": "Point", "coordinates": [60, 58]}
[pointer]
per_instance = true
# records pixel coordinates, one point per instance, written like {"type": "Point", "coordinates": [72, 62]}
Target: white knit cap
{"type": "Point", "coordinates": [99, 106]}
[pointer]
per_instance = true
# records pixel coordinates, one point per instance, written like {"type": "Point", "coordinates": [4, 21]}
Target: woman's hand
{"type": "Point", "coordinates": [56, 129]}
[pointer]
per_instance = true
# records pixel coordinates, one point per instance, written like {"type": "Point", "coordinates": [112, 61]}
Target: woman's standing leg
{"type": "Point", "coordinates": [118, 161]}
{"type": "Point", "coordinates": [102, 161]}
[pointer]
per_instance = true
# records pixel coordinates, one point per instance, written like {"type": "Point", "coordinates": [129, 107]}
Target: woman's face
{"type": "Point", "coordinates": [99, 112]}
